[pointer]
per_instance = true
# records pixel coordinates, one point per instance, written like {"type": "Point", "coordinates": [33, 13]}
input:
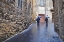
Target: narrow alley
{"type": "Point", "coordinates": [37, 34]}
{"type": "Point", "coordinates": [18, 20]}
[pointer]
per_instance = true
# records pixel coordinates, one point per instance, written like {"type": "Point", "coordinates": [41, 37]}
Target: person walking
{"type": "Point", "coordinates": [38, 20]}
{"type": "Point", "coordinates": [46, 19]}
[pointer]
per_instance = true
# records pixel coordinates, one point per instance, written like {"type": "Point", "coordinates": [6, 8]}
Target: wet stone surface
{"type": "Point", "coordinates": [37, 34]}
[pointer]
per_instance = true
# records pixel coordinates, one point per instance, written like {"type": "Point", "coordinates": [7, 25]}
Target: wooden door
{"type": "Point", "coordinates": [42, 19]}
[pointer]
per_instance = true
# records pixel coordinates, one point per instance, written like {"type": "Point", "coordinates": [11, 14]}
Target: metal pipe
{"type": "Point", "coordinates": [45, 7]}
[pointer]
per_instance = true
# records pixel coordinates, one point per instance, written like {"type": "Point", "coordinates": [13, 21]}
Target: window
{"type": "Point", "coordinates": [19, 3]}
{"type": "Point", "coordinates": [42, 3]}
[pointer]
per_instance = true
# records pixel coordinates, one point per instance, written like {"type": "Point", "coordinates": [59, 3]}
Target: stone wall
{"type": "Point", "coordinates": [13, 20]}
{"type": "Point", "coordinates": [59, 17]}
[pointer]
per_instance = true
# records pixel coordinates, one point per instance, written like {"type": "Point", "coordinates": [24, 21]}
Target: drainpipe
{"type": "Point", "coordinates": [45, 7]}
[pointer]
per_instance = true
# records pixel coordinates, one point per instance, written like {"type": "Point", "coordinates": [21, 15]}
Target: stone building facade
{"type": "Point", "coordinates": [15, 16]}
{"type": "Point", "coordinates": [34, 9]}
{"type": "Point", "coordinates": [59, 17]}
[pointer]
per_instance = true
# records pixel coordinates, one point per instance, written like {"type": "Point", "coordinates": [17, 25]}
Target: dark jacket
{"type": "Point", "coordinates": [46, 19]}
{"type": "Point", "coordinates": [38, 19]}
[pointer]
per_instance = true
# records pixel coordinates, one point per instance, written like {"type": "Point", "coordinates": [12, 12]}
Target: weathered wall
{"type": "Point", "coordinates": [34, 10]}
{"type": "Point", "coordinates": [12, 19]}
{"type": "Point", "coordinates": [59, 17]}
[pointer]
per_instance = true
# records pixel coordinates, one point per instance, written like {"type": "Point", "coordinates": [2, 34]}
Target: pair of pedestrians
{"type": "Point", "coordinates": [38, 20]}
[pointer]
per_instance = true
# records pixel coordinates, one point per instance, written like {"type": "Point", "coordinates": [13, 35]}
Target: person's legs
{"type": "Point", "coordinates": [37, 23]}
{"type": "Point", "coordinates": [46, 24]}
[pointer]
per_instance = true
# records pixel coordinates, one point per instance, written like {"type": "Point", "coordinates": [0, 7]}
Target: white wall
{"type": "Point", "coordinates": [41, 10]}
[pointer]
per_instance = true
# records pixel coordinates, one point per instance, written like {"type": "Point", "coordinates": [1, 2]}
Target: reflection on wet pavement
{"type": "Point", "coordinates": [37, 34]}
